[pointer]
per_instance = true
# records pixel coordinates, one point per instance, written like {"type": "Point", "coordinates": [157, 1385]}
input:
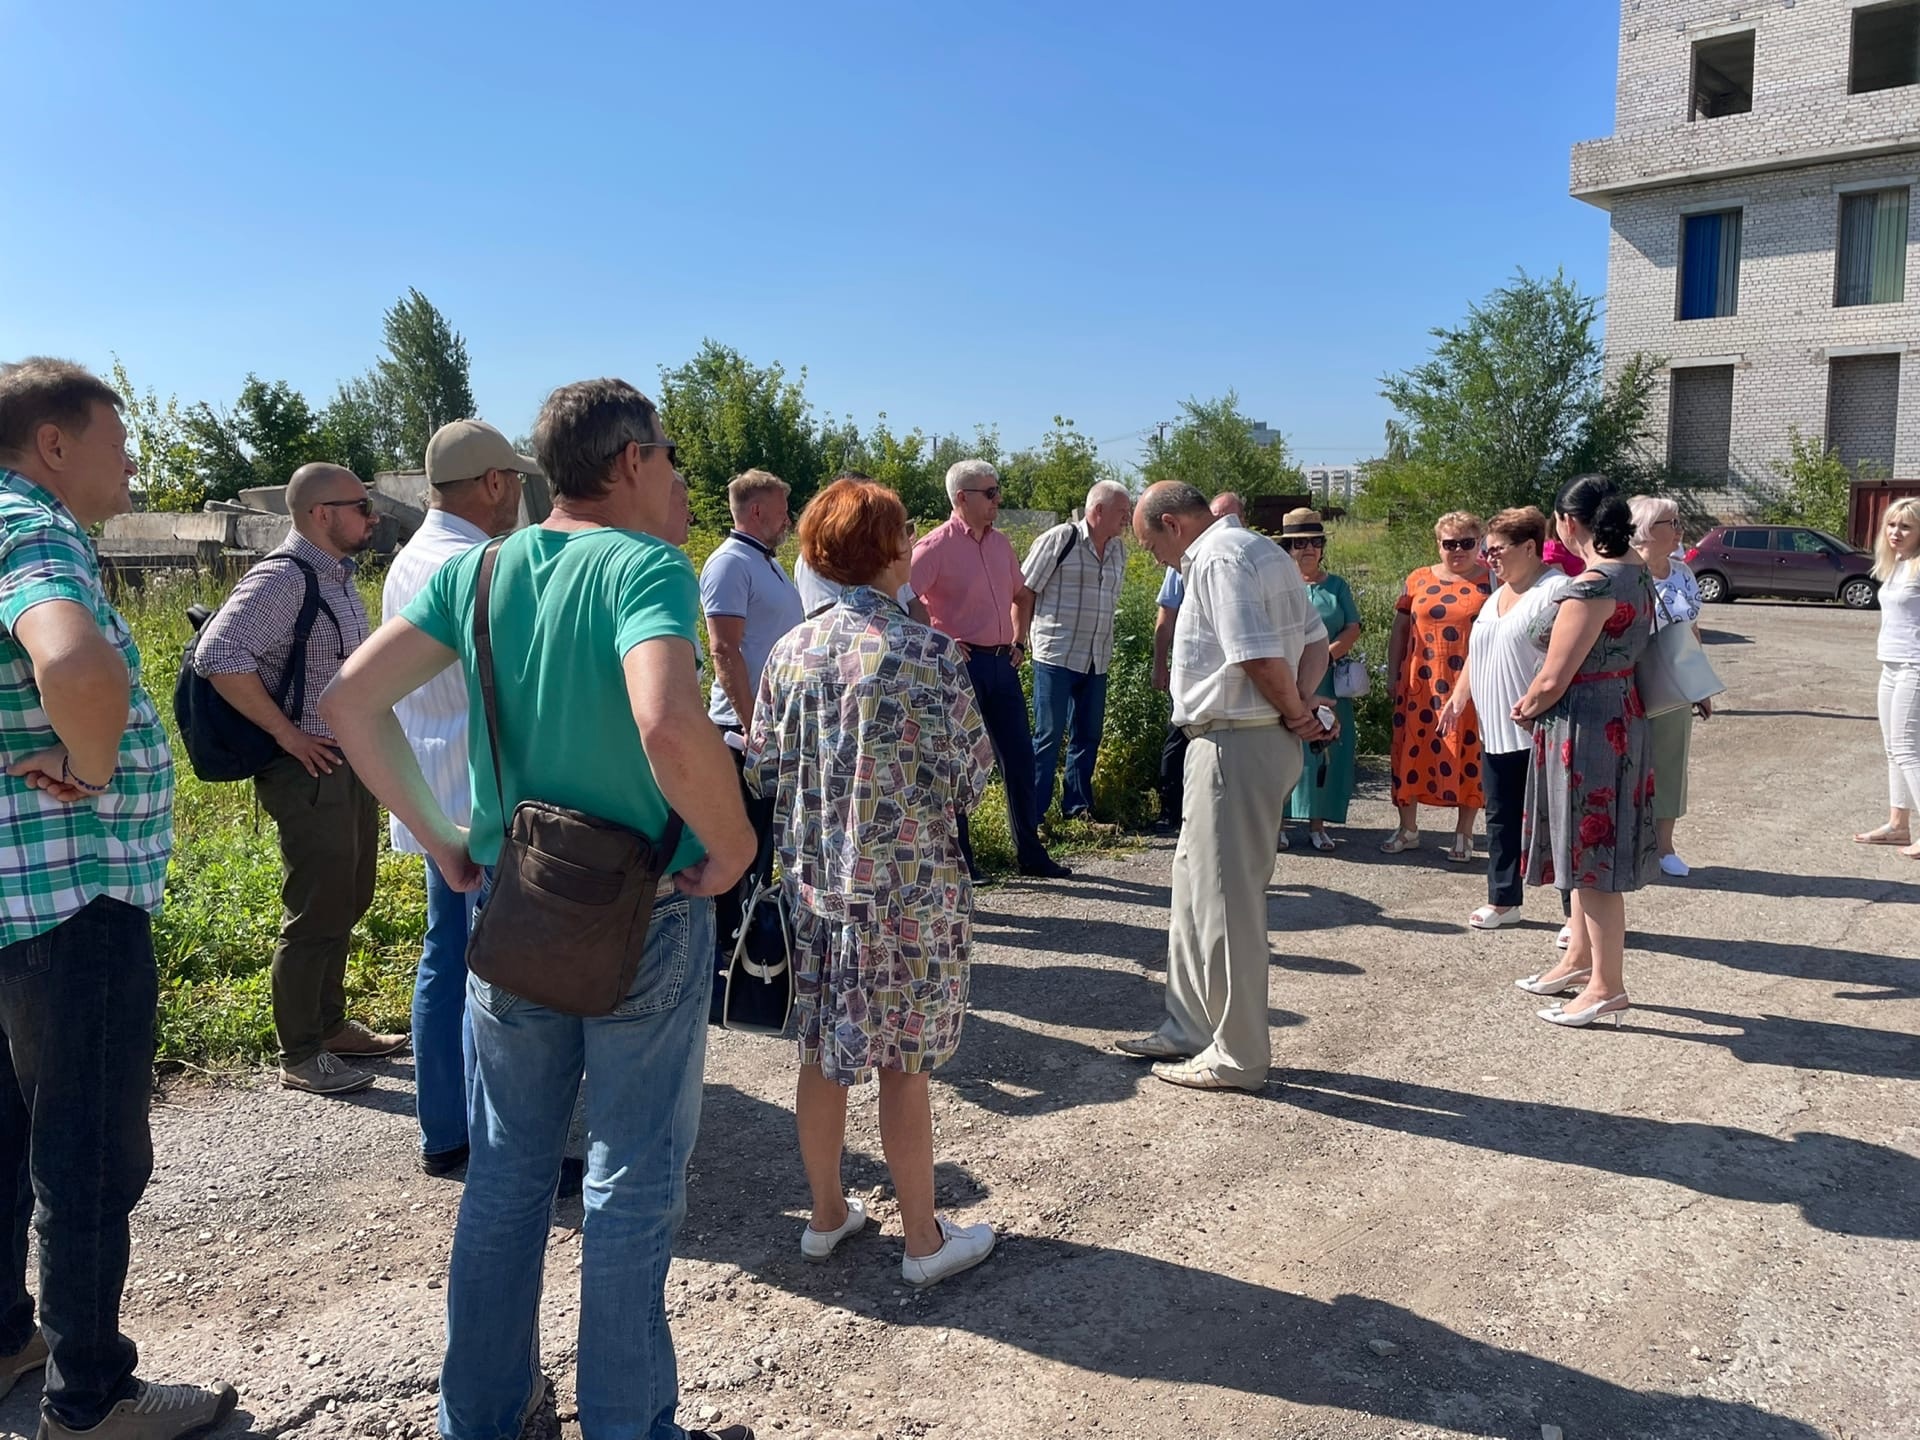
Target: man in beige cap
{"type": "Point", "coordinates": [473, 493]}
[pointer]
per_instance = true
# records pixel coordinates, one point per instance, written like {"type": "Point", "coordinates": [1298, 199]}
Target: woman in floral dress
{"type": "Point", "coordinates": [1589, 826]}
{"type": "Point", "coordinates": [867, 735]}
{"type": "Point", "coordinates": [1428, 654]}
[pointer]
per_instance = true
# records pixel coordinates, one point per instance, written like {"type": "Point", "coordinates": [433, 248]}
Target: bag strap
{"type": "Point", "coordinates": [490, 704]}
{"type": "Point", "coordinates": [293, 684]}
{"type": "Point", "coordinates": [1073, 536]}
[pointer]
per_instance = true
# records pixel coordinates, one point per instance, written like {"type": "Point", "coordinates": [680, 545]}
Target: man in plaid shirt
{"type": "Point", "coordinates": [329, 824]}
{"type": "Point", "coordinates": [86, 826]}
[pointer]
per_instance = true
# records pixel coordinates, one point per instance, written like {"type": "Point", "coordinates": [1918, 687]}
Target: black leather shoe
{"type": "Point", "coordinates": [442, 1163]}
{"type": "Point", "coordinates": [1047, 870]}
{"type": "Point", "coordinates": [732, 1432]}
{"type": "Point", "coordinates": [573, 1176]}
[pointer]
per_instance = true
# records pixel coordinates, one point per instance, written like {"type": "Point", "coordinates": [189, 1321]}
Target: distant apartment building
{"type": "Point", "coordinates": [1333, 484]}
{"type": "Point", "coordinates": [1761, 184]}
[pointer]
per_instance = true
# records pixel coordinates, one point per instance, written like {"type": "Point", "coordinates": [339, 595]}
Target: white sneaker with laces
{"type": "Point", "coordinates": [1676, 867]}
{"type": "Point", "coordinates": [965, 1247]}
{"type": "Point", "coordinates": [818, 1245]}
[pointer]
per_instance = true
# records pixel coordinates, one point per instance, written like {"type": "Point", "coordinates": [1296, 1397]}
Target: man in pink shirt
{"type": "Point", "coordinates": [967, 575]}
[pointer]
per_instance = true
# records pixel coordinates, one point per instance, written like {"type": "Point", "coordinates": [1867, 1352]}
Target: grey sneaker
{"type": "Point", "coordinates": [324, 1075]}
{"type": "Point", "coordinates": [158, 1412]}
{"type": "Point", "coordinates": [24, 1361]}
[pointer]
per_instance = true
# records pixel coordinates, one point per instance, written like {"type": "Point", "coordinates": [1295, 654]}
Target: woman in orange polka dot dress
{"type": "Point", "coordinates": [1432, 619]}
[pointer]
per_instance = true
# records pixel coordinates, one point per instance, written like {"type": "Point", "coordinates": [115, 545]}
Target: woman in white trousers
{"type": "Point", "coordinates": [1897, 568]}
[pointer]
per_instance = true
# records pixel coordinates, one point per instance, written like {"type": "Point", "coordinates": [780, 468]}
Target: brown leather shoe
{"type": "Point", "coordinates": [357, 1042]}
{"type": "Point", "coordinates": [24, 1361]}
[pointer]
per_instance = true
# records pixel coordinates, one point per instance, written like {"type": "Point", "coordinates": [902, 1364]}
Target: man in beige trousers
{"type": "Point", "coordinates": [1248, 651]}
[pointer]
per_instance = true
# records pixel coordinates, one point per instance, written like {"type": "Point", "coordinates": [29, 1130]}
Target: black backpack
{"type": "Point", "coordinates": [221, 743]}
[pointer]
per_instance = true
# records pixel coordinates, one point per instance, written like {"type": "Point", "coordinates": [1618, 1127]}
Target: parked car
{"type": "Point", "coordinates": [1789, 560]}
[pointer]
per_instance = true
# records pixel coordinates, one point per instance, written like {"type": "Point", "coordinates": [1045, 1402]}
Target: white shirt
{"type": "Point", "coordinates": [1502, 660]}
{"type": "Point", "coordinates": [1244, 600]}
{"type": "Point", "coordinates": [434, 717]}
{"type": "Point", "coordinates": [1900, 615]}
{"type": "Point", "coordinates": [817, 592]}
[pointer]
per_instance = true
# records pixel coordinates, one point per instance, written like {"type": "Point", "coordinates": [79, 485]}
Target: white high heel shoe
{"type": "Point", "coordinates": [1579, 1019]}
{"type": "Point", "coordinates": [1560, 985]}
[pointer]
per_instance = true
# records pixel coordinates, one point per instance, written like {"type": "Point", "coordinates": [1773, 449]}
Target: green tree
{"type": "Point", "coordinates": [905, 463]}
{"type": "Point", "coordinates": [1510, 405]}
{"type": "Point", "coordinates": [1818, 486]}
{"type": "Point", "coordinates": [727, 414]}
{"type": "Point", "coordinates": [161, 446]}
{"type": "Point", "coordinates": [1212, 447]}
{"type": "Point", "coordinates": [1059, 472]}
{"type": "Point", "coordinates": [421, 383]}
{"type": "Point", "coordinates": [269, 433]}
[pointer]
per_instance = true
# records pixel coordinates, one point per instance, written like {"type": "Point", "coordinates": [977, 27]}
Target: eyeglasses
{"type": "Point", "coordinates": [1305, 542]}
{"type": "Point", "coordinates": [365, 507]}
{"type": "Point", "coordinates": [1459, 543]}
{"type": "Point", "coordinates": [673, 451]}
{"type": "Point", "coordinates": [992, 492]}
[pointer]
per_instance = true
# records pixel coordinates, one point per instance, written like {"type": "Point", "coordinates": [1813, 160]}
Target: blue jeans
{"type": "Point", "coordinates": [77, 1009]}
{"type": "Point", "coordinates": [643, 1068]}
{"type": "Point", "coordinates": [1003, 710]}
{"type": "Point", "coordinates": [1066, 704]}
{"type": "Point", "coordinates": [442, 1038]}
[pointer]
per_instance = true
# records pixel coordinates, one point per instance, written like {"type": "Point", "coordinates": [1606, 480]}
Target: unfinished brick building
{"type": "Point", "coordinates": [1760, 181]}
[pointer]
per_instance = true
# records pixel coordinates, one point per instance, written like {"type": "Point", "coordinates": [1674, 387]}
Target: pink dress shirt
{"type": "Point", "coordinates": [967, 585]}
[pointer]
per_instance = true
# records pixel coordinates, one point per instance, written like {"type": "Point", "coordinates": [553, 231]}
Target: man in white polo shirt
{"type": "Point", "coordinates": [1248, 652]}
{"type": "Point", "coordinates": [749, 603]}
{"type": "Point", "coordinates": [473, 494]}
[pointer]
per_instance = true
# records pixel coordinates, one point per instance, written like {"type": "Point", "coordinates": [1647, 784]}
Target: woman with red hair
{"type": "Point", "coordinates": [867, 735]}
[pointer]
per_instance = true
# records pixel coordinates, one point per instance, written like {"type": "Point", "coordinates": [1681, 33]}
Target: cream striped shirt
{"type": "Point", "coordinates": [434, 717]}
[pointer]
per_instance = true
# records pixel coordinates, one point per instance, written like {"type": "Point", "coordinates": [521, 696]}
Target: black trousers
{"type": "Point", "coordinates": [1173, 772]}
{"type": "Point", "coordinates": [1506, 786]}
{"type": "Point", "coordinates": [1003, 709]}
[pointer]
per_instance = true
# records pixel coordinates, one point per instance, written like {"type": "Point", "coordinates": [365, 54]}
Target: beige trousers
{"type": "Point", "coordinates": [1237, 783]}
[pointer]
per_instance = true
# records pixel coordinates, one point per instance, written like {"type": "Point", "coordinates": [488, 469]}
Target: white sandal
{"type": "Point", "coordinates": [1400, 842]}
{"type": "Point", "coordinates": [1492, 917]}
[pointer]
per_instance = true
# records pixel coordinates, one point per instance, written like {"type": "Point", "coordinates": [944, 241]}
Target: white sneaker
{"type": "Point", "coordinates": [966, 1246]}
{"type": "Point", "coordinates": [1676, 867]}
{"type": "Point", "coordinates": [1564, 938]}
{"type": "Point", "coordinates": [818, 1245]}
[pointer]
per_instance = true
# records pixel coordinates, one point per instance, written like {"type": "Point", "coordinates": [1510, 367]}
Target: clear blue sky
{"type": "Point", "coordinates": [993, 212]}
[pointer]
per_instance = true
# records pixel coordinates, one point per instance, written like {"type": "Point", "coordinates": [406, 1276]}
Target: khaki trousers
{"type": "Point", "coordinates": [329, 846]}
{"type": "Point", "coordinates": [1237, 783]}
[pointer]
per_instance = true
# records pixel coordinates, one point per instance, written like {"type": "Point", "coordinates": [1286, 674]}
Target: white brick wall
{"type": "Point", "coordinates": [1863, 408]}
{"type": "Point", "coordinates": [1787, 322]}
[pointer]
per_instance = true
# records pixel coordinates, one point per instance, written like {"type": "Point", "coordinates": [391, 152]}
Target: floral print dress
{"type": "Point", "coordinates": [1589, 817]}
{"type": "Point", "coordinates": [867, 735]}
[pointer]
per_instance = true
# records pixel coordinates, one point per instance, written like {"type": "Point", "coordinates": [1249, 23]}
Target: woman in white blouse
{"type": "Point", "coordinates": [1897, 567]}
{"type": "Point", "coordinates": [1501, 664]}
{"type": "Point", "coordinates": [1676, 601]}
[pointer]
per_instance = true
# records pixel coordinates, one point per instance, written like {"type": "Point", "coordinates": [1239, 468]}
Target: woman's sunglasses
{"type": "Point", "coordinates": [1459, 543]}
{"type": "Point", "coordinates": [1305, 542]}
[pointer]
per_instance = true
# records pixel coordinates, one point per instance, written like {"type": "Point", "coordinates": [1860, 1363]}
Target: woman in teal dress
{"type": "Point", "coordinates": [1323, 792]}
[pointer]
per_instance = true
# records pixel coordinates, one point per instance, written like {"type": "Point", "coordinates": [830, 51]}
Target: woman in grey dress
{"type": "Point", "coordinates": [1590, 826]}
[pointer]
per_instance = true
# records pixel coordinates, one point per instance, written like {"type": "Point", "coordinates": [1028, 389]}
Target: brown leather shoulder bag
{"type": "Point", "coordinates": [565, 921]}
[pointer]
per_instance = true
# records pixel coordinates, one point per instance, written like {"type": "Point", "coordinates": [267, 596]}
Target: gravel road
{"type": "Point", "coordinates": [1441, 1217]}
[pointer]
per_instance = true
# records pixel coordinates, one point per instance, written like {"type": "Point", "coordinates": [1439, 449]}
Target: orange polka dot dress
{"type": "Point", "coordinates": [1430, 768]}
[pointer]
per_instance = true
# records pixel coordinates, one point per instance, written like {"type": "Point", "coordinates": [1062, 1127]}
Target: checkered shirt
{"type": "Point", "coordinates": [1075, 595]}
{"type": "Point", "coordinates": [253, 631]}
{"type": "Point", "coordinates": [56, 858]}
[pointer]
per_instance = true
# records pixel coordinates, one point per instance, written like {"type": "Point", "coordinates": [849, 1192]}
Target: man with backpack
{"type": "Point", "coordinates": [1073, 574]}
{"type": "Point", "coordinates": [329, 824]}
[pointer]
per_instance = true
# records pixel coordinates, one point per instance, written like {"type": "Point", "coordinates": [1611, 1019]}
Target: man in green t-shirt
{"type": "Point", "coordinates": [592, 631]}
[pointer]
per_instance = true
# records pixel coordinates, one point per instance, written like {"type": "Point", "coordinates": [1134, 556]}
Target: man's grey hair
{"type": "Point", "coordinates": [961, 471]}
{"type": "Point", "coordinates": [584, 427]}
{"type": "Point", "coordinates": [1107, 490]}
{"type": "Point", "coordinates": [1650, 510]}
{"type": "Point", "coordinates": [1174, 498]}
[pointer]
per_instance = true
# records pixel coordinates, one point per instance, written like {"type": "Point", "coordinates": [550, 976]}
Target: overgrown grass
{"type": "Point", "coordinates": [215, 934]}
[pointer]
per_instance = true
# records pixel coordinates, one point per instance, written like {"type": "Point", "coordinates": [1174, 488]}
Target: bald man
{"type": "Point", "coordinates": [270, 651]}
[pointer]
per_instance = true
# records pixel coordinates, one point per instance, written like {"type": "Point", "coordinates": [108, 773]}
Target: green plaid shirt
{"type": "Point", "coordinates": [55, 858]}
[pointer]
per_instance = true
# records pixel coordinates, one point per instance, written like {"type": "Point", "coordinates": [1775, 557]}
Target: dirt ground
{"type": "Point", "coordinates": [1441, 1218]}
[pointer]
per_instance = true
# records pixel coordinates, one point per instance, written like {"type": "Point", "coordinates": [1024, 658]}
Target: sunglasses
{"type": "Point", "coordinates": [673, 451]}
{"type": "Point", "coordinates": [1305, 542]}
{"type": "Point", "coordinates": [992, 492]}
{"type": "Point", "coordinates": [1463, 542]}
{"type": "Point", "coordinates": [365, 507]}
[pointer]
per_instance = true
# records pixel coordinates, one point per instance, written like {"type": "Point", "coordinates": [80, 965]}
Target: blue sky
{"type": "Point", "coordinates": [953, 214]}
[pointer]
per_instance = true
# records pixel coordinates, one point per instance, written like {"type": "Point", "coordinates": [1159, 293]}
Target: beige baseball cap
{"type": "Point", "coordinates": [466, 449]}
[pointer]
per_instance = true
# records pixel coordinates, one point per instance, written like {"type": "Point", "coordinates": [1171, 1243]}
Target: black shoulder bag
{"type": "Point", "coordinates": [565, 922]}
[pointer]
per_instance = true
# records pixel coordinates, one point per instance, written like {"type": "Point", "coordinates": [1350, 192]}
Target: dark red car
{"type": "Point", "coordinates": [1732, 561]}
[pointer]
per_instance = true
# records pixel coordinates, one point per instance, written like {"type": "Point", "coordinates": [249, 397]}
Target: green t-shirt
{"type": "Point", "coordinates": [567, 607]}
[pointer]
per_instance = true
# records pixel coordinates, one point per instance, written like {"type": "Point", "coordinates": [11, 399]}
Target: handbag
{"type": "Point", "coordinates": [565, 920]}
{"type": "Point", "coordinates": [1673, 671]}
{"type": "Point", "coordinates": [1351, 679]}
{"type": "Point", "coordinates": [758, 995]}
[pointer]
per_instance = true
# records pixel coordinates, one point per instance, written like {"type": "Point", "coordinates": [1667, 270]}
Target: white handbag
{"type": "Point", "coordinates": [1350, 677]}
{"type": "Point", "coordinates": [1674, 671]}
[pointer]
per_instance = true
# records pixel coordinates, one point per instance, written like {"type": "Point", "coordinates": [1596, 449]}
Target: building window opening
{"type": "Point", "coordinates": [1886, 47]}
{"type": "Point", "coordinates": [1710, 265]}
{"type": "Point", "coordinates": [1723, 76]}
{"type": "Point", "coordinates": [1872, 263]}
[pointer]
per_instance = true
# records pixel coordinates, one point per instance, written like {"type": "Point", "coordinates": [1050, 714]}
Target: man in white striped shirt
{"type": "Point", "coordinates": [473, 494]}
